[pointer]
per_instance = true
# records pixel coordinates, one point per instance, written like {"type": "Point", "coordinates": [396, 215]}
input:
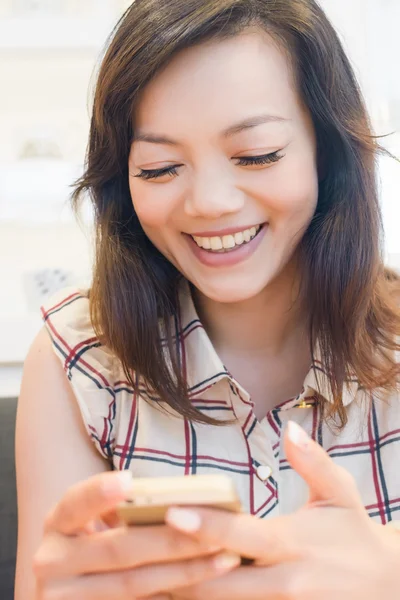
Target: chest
{"type": "Point", "coordinates": [151, 444]}
{"type": "Point", "coordinates": [269, 383]}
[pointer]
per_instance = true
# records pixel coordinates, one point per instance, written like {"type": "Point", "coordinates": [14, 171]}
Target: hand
{"type": "Point", "coordinates": [328, 550]}
{"type": "Point", "coordinates": [81, 557]}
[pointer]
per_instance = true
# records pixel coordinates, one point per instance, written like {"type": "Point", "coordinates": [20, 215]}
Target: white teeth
{"type": "Point", "coordinates": [239, 239]}
{"type": "Point", "coordinates": [247, 235]}
{"type": "Point", "coordinates": [216, 243]}
{"type": "Point", "coordinates": [227, 242]}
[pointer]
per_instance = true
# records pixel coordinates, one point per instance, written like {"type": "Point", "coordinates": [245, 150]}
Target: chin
{"type": "Point", "coordinates": [231, 292]}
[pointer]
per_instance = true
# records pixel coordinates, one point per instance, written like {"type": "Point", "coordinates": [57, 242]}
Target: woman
{"type": "Point", "coordinates": [232, 169]}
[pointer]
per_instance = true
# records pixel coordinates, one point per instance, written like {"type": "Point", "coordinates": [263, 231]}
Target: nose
{"type": "Point", "coordinates": [212, 197]}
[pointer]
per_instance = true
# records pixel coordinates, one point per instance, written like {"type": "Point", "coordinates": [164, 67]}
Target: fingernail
{"type": "Point", "coordinates": [98, 526]}
{"type": "Point", "coordinates": [298, 436]}
{"type": "Point", "coordinates": [183, 519]}
{"type": "Point", "coordinates": [226, 561]}
{"type": "Point", "coordinates": [125, 479]}
{"type": "Point", "coordinates": [120, 482]}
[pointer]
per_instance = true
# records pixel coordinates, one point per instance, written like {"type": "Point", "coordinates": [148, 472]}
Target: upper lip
{"type": "Point", "coordinates": [222, 232]}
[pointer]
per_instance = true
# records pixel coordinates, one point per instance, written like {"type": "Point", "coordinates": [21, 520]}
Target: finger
{"type": "Point", "coordinates": [328, 482]}
{"type": "Point", "coordinates": [151, 580]}
{"type": "Point", "coordinates": [108, 520]}
{"type": "Point", "coordinates": [158, 597]}
{"type": "Point", "coordinates": [115, 550]}
{"type": "Point", "coordinates": [111, 519]}
{"type": "Point", "coordinates": [88, 500]}
{"type": "Point", "coordinates": [267, 541]}
{"type": "Point", "coordinates": [281, 581]}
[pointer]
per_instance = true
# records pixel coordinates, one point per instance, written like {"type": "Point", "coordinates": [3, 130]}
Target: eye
{"type": "Point", "coordinates": [243, 161]}
{"type": "Point", "coordinates": [264, 159]}
{"type": "Point", "coordinates": [156, 173]}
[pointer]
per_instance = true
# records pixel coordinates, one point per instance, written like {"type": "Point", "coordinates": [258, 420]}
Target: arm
{"type": "Point", "coordinates": [63, 483]}
{"type": "Point", "coordinates": [53, 451]}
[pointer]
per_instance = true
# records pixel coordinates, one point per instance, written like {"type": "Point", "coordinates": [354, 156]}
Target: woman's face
{"type": "Point", "coordinates": [222, 169]}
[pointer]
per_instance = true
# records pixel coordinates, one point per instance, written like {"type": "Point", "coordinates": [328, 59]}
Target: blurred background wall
{"type": "Point", "coordinates": [49, 50]}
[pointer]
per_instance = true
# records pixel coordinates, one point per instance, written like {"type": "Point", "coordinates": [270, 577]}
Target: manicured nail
{"type": "Point", "coordinates": [184, 519]}
{"type": "Point", "coordinates": [125, 480]}
{"type": "Point", "coordinates": [298, 436]}
{"type": "Point", "coordinates": [99, 526]}
{"type": "Point", "coordinates": [226, 561]}
{"type": "Point", "coordinates": [116, 483]}
{"type": "Point", "coordinates": [94, 527]}
{"type": "Point", "coordinates": [120, 482]}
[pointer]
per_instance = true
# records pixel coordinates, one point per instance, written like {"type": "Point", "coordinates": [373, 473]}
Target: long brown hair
{"type": "Point", "coordinates": [351, 296]}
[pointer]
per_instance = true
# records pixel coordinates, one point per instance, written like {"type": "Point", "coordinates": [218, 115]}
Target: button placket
{"type": "Point", "coordinates": [261, 440]}
{"type": "Point", "coordinates": [265, 471]}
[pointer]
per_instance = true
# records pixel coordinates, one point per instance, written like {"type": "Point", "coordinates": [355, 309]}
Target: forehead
{"type": "Point", "coordinates": [218, 82]}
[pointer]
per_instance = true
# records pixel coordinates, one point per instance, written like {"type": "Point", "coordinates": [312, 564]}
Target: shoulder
{"type": "Point", "coordinates": [68, 312]}
{"type": "Point", "coordinates": [91, 368]}
{"type": "Point", "coordinates": [66, 316]}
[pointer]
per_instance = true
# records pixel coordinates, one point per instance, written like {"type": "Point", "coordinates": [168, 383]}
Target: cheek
{"type": "Point", "coordinates": [153, 208]}
{"type": "Point", "coordinates": [293, 192]}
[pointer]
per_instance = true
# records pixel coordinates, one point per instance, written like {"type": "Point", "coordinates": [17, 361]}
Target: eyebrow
{"type": "Point", "coordinates": [232, 130]}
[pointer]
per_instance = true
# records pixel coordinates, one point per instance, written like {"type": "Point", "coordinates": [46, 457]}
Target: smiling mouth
{"type": "Point", "coordinates": [227, 243]}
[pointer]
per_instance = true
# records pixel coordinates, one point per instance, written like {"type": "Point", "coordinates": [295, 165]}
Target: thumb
{"type": "Point", "coordinates": [328, 482]}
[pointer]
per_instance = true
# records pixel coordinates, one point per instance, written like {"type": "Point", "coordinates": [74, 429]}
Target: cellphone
{"type": "Point", "coordinates": [151, 497]}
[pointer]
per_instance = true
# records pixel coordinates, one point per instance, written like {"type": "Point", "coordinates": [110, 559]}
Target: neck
{"type": "Point", "coordinates": [266, 325]}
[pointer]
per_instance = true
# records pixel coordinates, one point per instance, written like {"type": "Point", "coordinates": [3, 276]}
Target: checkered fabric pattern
{"type": "Point", "coordinates": [133, 433]}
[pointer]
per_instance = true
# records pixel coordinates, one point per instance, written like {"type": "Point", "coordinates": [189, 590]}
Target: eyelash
{"type": "Point", "coordinates": [244, 161]}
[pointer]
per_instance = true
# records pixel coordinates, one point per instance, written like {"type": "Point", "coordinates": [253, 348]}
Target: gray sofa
{"type": "Point", "coordinates": [8, 502]}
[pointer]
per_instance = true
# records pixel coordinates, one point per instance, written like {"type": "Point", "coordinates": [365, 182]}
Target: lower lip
{"type": "Point", "coordinates": [227, 259]}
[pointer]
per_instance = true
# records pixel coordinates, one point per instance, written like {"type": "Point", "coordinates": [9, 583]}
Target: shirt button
{"type": "Point", "coordinates": [264, 472]}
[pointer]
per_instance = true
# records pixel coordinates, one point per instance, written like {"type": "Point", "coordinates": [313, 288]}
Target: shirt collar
{"type": "Point", "coordinates": [318, 380]}
{"type": "Point", "coordinates": [204, 368]}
